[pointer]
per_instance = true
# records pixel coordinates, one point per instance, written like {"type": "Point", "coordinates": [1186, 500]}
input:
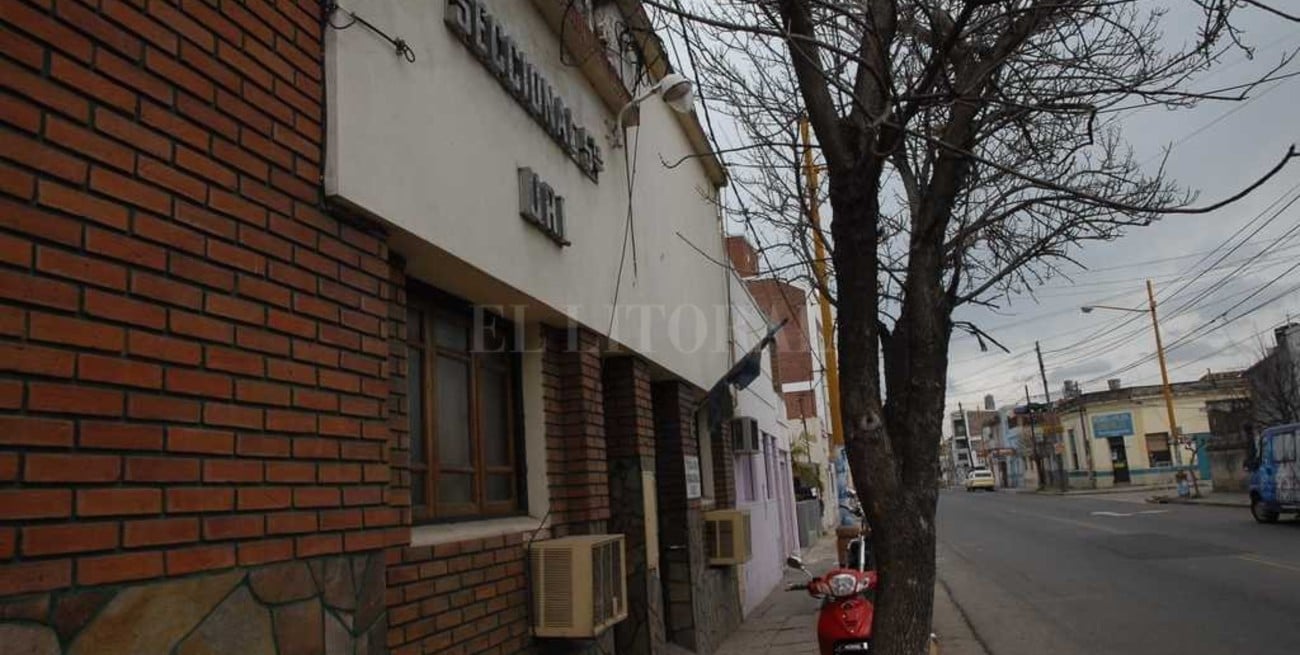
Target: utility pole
{"type": "Point", "coordinates": [966, 435]}
{"type": "Point", "coordinates": [1033, 438]}
{"type": "Point", "coordinates": [1047, 393]}
{"type": "Point", "coordinates": [824, 302]}
{"type": "Point", "coordinates": [1164, 379]}
{"type": "Point", "coordinates": [1172, 438]}
{"type": "Point", "coordinates": [1175, 441]}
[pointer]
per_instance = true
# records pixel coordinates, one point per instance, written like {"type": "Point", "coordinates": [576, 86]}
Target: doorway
{"type": "Point", "coordinates": [1119, 460]}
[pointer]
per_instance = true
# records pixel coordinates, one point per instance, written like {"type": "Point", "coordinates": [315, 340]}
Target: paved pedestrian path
{"type": "Point", "coordinates": [785, 622]}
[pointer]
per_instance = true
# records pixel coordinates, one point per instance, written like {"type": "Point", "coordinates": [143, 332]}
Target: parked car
{"type": "Point", "coordinates": [1274, 476]}
{"type": "Point", "coordinates": [980, 479]}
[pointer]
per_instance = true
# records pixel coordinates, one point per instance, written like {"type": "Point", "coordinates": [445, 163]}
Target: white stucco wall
{"type": "Point", "coordinates": [432, 148]}
{"type": "Point", "coordinates": [771, 510]}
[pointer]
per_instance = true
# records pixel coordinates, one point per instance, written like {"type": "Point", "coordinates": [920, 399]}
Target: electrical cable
{"type": "Point", "coordinates": [400, 45]}
{"type": "Point", "coordinates": [629, 173]}
{"type": "Point", "coordinates": [1129, 320]}
{"type": "Point", "coordinates": [748, 221]}
{"type": "Point", "coordinates": [1202, 330]}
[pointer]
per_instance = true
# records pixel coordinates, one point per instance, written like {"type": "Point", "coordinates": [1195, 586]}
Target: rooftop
{"type": "Point", "coordinates": [1226, 382]}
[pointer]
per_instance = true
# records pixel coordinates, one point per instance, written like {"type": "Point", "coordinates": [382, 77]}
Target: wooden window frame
{"type": "Point", "coordinates": [428, 306]}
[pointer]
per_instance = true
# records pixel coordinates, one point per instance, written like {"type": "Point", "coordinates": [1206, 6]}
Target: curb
{"type": "Point", "coordinates": [952, 631]}
{"type": "Point", "coordinates": [1102, 492]}
{"type": "Point", "coordinates": [1160, 500]}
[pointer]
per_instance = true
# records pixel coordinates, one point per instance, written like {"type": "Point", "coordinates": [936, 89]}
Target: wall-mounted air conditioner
{"type": "Point", "coordinates": [579, 588]}
{"type": "Point", "coordinates": [726, 537]}
{"type": "Point", "coordinates": [745, 435]}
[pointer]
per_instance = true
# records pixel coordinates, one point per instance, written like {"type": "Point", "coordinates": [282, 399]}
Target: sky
{"type": "Point", "coordinates": [1204, 276]}
{"type": "Point", "coordinates": [1218, 149]}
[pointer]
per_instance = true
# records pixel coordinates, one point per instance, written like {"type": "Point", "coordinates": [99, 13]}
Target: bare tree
{"type": "Point", "coordinates": [969, 146]}
{"type": "Point", "coordinates": [1274, 383]}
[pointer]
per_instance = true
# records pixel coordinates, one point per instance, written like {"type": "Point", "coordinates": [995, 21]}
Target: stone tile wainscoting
{"type": "Point", "coordinates": [332, 605]}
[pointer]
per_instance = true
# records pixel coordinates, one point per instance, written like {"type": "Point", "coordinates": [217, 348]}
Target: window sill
{"type": "Point", "coordinates": [446, 533]}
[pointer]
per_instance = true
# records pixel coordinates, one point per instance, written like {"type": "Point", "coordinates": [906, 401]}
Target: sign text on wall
{"type": "Point", "coordinates": [482, 33]}
{"type": "Point", "coordinates": [694, 483]}
{"type": "Point", "coordinates": [540, 205]}
{"type": "Point", "coordinates": [1112, 425]}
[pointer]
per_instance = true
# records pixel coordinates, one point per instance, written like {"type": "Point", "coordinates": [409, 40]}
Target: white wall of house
{"type": "Point", "coordinates": [818, 429]}
{"type": "Point", "coordinates": [432, 147]}
{"type": "Point", "coordinates": [764, 485]}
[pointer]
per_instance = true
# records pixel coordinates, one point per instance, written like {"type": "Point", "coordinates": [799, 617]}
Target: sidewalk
{"type": "Point", "coordinates": [785, 622]}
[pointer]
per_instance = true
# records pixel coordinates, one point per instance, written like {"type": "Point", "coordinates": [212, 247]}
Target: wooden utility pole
{"type": "Point", "coordinates": [1047, 393]}
{"type": "Point", "coordinates": [1175, 440]}
{"type": "Point", "coordinates": [1033, 439]}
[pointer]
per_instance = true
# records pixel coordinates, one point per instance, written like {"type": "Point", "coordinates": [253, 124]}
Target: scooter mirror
{"type": "Point", "coordinates": [794, 562]}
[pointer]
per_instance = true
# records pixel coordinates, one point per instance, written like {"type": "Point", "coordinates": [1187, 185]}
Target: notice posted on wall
{"type": "Point", "coordinates": [694, 487]}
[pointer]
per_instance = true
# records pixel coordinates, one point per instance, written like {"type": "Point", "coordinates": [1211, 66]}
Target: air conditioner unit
{"type": "Point", "coordinates": [745, 435]}
{"type": "Point", "coordinates": [726, 537]}
{"type": "Point", "coordinates": [579, 588]}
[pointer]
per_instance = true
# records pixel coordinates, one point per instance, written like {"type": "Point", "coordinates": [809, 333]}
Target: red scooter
{"type": "Point", "coordinates": [845, 619]}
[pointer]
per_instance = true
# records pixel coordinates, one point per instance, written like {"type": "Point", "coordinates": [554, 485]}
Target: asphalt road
{"type": "Point", "coordinates": [1057, 575]}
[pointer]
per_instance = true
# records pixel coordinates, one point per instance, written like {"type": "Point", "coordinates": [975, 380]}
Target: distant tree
{"type": "Point", "coordinates": [1274, 383]}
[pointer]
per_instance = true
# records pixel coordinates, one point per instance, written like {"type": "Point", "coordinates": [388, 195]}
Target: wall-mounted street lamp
{"type": "Point", "coordinates": [675, 90]}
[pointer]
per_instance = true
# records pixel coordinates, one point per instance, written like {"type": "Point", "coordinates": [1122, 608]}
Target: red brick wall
{"type": "Point", "coordinates": [743, 257]}
{"type": "Point", "coordinates": [629, 421]}
{"type": "Point", "coordinates": [460, 598]}
{"type": "Point", "coordinates": [800, 404]}
{"type": "Point", "coordinates": [780, 300]}
{"type": "Point", "coordinates": [576, 465]}
{"type": "Point", "coordinates": [192, 353]}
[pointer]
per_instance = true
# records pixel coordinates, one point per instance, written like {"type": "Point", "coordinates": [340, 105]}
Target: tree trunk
{"type": "Point", "coordinates": [892, 448]}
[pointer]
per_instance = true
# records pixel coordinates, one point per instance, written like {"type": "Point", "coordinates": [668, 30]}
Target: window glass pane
{"type": "Point", "coordinates": [450, 333]}
{"type": "Point", "coordinates": [493, 416]}
{"type": "Point", "coordinates": [455, 488]}
{"type": "Point", "coordinates": [453, 413]}
{"type": "Point", "coordinates": [415, 402]}
{"type": "Point", "coordinates": [500, 487]}
{"type": "Point", "coordinates": [414, 325]}
{"type": "Point", "coordinates": [419, 488]}
{"type": "Point", "coordinates": [493, 335]}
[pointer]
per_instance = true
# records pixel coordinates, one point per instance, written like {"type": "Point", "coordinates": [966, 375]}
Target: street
{"type": "Point", "coordinates": [1096, 574]}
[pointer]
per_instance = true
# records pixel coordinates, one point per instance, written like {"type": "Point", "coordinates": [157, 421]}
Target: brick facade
{"type": "Point", "coordinates": [793, 361]}
{"type": "Point", "coordinates": [701, 603]}
{"type": "Point", "coordinates": [192, 350]}
{"type": "Point", "coordinates": [202, 366]}
{"type": "Point", "coordinates": [629, 425]}
{"type": "Point", "coordinates": [576, 464]}
{"type": "Point", "coordinates": [466, 597]}
{"type": "Point", "coordinates": [800, 404]}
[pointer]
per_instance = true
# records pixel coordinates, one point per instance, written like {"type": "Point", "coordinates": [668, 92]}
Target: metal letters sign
{"type": "Point", "coordinates": [482, 33]}
{"type": "Point", "coordinates": [1112, 425]}
{"type": "Point", "coordinates": [541, 206]}
{"type": "Point", "coordinates": [694, 484]}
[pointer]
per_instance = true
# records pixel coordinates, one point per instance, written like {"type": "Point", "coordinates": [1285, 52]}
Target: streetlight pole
{"type": "Point", "coordinates": [1166, 389]}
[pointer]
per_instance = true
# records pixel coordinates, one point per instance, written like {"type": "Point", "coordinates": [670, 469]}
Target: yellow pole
{"type": "Point", "coordinates": [819, 273]}
{"type": "Point", "coordinates": [1164, 376]}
